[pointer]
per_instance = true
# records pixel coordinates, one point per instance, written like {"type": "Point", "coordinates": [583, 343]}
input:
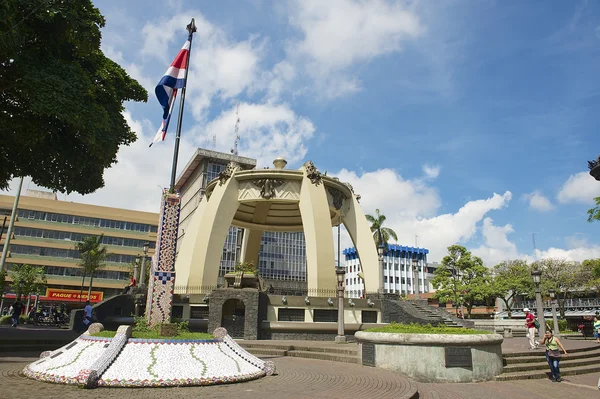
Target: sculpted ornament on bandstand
{"type": "Point", "coordinates": [337, 196]}
{"type": "Point", "coordinates": [313, 173]}
{"type": "Point", "coordinates": [227, 172]}
{"type": "Point", "coordinates": [267, 187]}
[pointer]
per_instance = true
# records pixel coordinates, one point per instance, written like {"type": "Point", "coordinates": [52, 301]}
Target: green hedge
{"type": "Point", "coordinates": [7, 319]}
{"type": "Point", "coordinates": [414, 328]}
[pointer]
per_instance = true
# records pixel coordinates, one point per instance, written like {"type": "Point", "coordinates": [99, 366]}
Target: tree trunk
{"type": "Point", "coordinates": [90, 289]}
{"type": "Point", "coordinates": [82, 284]}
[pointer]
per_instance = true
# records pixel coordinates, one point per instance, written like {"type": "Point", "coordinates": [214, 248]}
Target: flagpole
{"type": "Point", "coordinates": [191, 28]}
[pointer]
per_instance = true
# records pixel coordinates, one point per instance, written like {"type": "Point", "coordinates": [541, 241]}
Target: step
{"type": "Point", "coordinates": [247, 345]}
{"type": "Point", "coordinates": [323, 356]}
{"type": "Point", "coordinates": [539, 374]}
{"type": "Point", "coordinates": [564, 364]}
{"type": "Point", "coordinates": [334, 351]}
{"type": "Point", "coordinates": [267, 352]}
{"type": "Point", "coordinates": [542, 357]}
{"type": "Point", "coordinates": [538, 353]}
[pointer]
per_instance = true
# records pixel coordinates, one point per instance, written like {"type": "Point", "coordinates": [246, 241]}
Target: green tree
{"type": "Point", "coordinates": [27, 279]}
{"type": "Point", "coordinates": [462, 279]}
{"type": "Point", "coordinates": [92, 256]}
{"type": "Point", "coordinates": [381, 234]}
{"type": "Point", "coordinates": [61, 98]}
{"type": "Point", "coordinates": [594, 213]}
{"type": "Point", "coordinates": [564, 277]}
{"type": "Point", "coordinates": [594, 267]}
{"type": "Point", "coordinates": [3, 275]}
{"type": "Point", "coordinates": [512, 278]}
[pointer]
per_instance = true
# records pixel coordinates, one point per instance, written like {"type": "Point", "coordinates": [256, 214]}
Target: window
{"type": "Point", "coordinates": [286, 314]}
{"type": "Point", "coordinates": [326, 315]}
{"type": "Point", "coordinates": [369, 316]}
{"type": "Point", "coordinates": [199, 312]}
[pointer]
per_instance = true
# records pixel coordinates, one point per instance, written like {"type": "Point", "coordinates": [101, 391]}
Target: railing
{"type": "Point", "coordinates": [572, 303]}
{"type": "Point", "coordinates": [193, 289]}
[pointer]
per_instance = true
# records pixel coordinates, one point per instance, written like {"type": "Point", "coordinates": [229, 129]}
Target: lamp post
{"type": "Point", "coordinates": [340, 273]}
{"type": "Point", "coordinates": [143, 271]}
{"type": "Point", "coordinates": [136, 269]}
{"type": "Point", "coordinates": [554, 318]}
{"type": "Point", "coordinates": [415, 265]}
{"type": "Point", "coordinates": [537, 279]}
{"type": "Point", "coordinates": [380, 253]}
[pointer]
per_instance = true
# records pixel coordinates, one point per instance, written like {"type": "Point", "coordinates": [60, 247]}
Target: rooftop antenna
{"type": "Point", "coordinates": [534, 247]}
{"type": "Point", "coordinates": [234, 150]}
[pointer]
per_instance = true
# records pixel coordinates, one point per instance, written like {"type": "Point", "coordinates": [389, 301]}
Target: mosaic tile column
{"type": "Point", "coordinates": [162, 272]}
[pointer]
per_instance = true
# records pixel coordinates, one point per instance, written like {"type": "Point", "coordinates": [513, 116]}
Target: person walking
{"type": "Point", "coordinates": [16, 312]}
{"type": "Point", "coordinates": [553, 354]}
{"type": "Point", "coordinates": [597, 328]}
{"type": "Point", "coordinates": [530, 324]}
{"type": "Point", "coordinates": [87, 315]}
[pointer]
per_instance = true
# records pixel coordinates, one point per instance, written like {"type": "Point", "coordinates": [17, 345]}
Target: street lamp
{"type": "Point", "coordinates": [537, 279]}
{"type": "Point", "coordinates": [143, 271]}
{"type": "Point", "coordinates": [380, 253]}
{"type": "Point", "coordinates": [554, 318]}
{"type": "Point", "coordinates": [340, 273]}
{"type": "Point", "coordinates": [415, 265]}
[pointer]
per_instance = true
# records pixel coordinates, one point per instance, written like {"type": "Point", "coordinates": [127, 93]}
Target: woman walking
{"type": "Point", "coordinates": [553, 354]}
{"type": "Point", "coordinates": [597, 329]}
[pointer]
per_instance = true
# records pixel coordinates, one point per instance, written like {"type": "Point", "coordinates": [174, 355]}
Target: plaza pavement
{"type": "Point", "coordinates": [305, 378]}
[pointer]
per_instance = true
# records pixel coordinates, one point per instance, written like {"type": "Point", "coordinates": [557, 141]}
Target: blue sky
{"type": "Point", "coordinates": [464, 121]}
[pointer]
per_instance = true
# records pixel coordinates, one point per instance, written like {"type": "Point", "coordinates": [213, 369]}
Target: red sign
{"type": "Point", "coordinates": [54, 294]}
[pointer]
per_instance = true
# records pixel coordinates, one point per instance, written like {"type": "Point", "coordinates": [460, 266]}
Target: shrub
{"type": "Point", "coordinates": [246, 267]}
{"type": "Point", "coordinates": [415, 328]}
{"type": "Point", "coordinates": [7, 319]}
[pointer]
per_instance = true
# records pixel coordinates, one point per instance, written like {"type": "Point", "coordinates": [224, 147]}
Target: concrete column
{"type": "Point", "coordinates": [251, 246]}
{"type": "Point", "coordinates": [316, 219]}
{"type": "Point", "coordinates": [360, 232]}
{"type": "Point", "coordinates": [202, 246]}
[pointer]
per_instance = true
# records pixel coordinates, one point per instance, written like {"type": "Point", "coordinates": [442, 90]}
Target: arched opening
{"type": "Point", "coordinates": [233, 317]}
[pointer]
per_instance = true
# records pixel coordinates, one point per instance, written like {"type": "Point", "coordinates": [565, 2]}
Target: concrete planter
{"type": "Point", "coordinates": [433, 357]}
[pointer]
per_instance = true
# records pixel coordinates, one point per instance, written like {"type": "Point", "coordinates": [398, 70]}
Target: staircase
{"type": "Point", "coordinates": [436, 317]}
{"type": "Point", "coordinates": [341, 353]}
{"type": "Point", "coordinates": [533, 365]}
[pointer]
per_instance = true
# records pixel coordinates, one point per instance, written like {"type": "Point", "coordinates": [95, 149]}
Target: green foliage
{"type": "Point", "coordinates": [3, 274]}
{"type": "Point", "coordinates": [140, 325]}
{"type": "Point", "coordinates": [7, 319]}
{"type": "Point", "coordinates": [462, 279]}
{"type": "Point", "coordinates": [594, 267]}
{"type": "Point", "coordinates": [246, 267]}
{"type": "Point", "coordinates": [381, 234]}
{"type": "Point", "coordinates": [154, 335]}
{"type": "Point", "coordinates": [594, 213]}
{"type": "Point", "coordinates": [92, 256]}
{"type": "Point", "coordinates": [27, 279]}
{"type": "Point", "coordinates": [414, 328]}
{"type": "Point", "coordinates": [512, 278]}
{"type": "Point", "coordinates": [61, 97]}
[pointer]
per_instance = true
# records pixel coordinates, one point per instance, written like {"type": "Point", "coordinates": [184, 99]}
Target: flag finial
{"type": "Point", "coordinates": [191, 28]}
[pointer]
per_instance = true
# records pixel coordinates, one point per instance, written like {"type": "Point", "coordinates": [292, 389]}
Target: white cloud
{"type": "Point", "coordinates": [581, 188]}
{"type": "Point", "coordinates": [537, 201]}
{"type": "Point", "coordinates": [431, 172]}
{"type": "Point", "coordinates": [497, 247]}
{"type": "Point", "coordinates": [410, 207]}
{"type": "Point", "coordinates": [220, 68]}
{"type": "Point", "coordinates": [266, 130]}
{"type": "Point", "coordinates": [135, 181]}
{"type": "Point", "coordinates": [340, 33]}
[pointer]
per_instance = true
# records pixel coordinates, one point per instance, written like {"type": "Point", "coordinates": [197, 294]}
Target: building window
{"type": "Point", "coordinates": [369, 316]}
{"type": "Point", "coordinates": [326, 315]}
{"type": "Point", "coordinates": [199, 312]}
{"type": "Point", "coordinates": [286, 314]}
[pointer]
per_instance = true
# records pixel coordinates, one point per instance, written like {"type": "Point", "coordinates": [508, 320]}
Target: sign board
{"type": "Point", "coordinates": [368, 354]}
{"type": "Point", "coordinates": [55, 294]}
{"type": "Point", "coordinates": [459, 357]}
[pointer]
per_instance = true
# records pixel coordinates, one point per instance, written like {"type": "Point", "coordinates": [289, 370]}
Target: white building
{"type": "Point", "coordinates": [405, 271]}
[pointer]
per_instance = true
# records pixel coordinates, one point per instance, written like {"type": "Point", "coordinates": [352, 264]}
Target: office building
{"type": "Point", "coordinates": [47, 229]}
{"type": "Point", "coordinates": [405, 271]}
{"type": "Point", "coordinates": [282, 254]}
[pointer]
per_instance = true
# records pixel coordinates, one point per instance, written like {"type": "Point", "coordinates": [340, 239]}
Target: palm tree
{"type": "Point", "coordinates": [92, 257]}
{"type": "Point", "coordinates": [381, 234]}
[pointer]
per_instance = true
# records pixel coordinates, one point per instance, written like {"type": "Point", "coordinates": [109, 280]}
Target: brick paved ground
{"type": "Point", "coordinates": [302, 379]}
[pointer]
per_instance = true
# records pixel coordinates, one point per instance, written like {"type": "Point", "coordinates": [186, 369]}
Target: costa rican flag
{"type": "Point", "coordinates": [166, 90]}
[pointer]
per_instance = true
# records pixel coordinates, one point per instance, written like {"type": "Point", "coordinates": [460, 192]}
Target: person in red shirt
{"type": "Point", "coordinates": [530, 324]}
{"type": "Point", "coordinates": [132, 283]}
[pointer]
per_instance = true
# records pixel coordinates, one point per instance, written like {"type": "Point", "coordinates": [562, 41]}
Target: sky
{"type": "Point", "coordinates": [464, 122]}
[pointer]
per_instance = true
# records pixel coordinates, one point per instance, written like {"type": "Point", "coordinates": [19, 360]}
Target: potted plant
{"type": "Point", "coordinates": [245, 275]}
